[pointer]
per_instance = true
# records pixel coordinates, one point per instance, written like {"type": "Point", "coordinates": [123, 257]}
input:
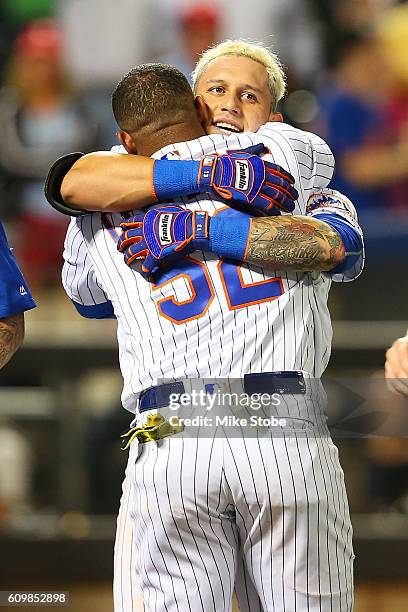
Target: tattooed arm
{"type": "Point", "coordinates": [294, 243]}
{"type": "Point", "coordinates": [11, 336]}
{"type": "Point", "coordinates": [279, 242]}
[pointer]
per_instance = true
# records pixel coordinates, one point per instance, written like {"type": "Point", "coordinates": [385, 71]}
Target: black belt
{"type": "Point", "coordinates": [290, 382]}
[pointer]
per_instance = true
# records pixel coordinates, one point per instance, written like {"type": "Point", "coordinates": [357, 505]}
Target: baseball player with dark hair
{"type": "Point", "coordinates": [15, 299]}
{"type": "Point", "coordinates": [201, 515]}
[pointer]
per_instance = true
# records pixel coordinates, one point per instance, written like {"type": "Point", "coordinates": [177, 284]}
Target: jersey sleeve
{"type": "Point", "coordinates": [79, 278]}
{"type": "Point", "coordinates": [310, 160]}
{"type": "Point", "coordinates": [15, 295]}
{"type": "Point", "coordinates": [338, 211]}
{"type": "Point", "coordinates": [305, 155]}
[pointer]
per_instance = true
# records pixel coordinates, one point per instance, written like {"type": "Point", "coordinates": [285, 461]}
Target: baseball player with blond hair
{"type": "Point", "coordinates": [112, 182]}
{"type": "Point", "coordinates": [212, 292]}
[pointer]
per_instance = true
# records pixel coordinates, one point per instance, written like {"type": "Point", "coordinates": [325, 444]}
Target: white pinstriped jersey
{"type": "Point", "coordinates": [207, 318]}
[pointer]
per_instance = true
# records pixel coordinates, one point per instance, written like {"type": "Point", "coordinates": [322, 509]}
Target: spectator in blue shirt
{"type": "Point", "coordinates": [15, 299]}
{"type": "Point", "coordinates": [357, 128]}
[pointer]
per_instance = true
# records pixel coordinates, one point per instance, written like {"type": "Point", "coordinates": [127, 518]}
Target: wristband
{"type": "Point", "coordinates": [229, 238]}
{"type": "Point", "coordinates": [172, 178]}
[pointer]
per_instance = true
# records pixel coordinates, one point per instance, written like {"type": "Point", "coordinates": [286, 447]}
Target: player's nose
{"type": "Point", "coordinates": [231, 104]}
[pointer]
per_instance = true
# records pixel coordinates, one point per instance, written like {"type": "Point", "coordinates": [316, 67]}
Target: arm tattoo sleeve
{"type": "Point", "coordinates": [11, 336]}
{"type": "Point", "coordinates": [294, 243]}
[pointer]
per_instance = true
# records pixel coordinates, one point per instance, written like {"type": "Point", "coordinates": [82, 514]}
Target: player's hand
{"type": "Point", "coordinates": [396, 367]}
{"type": "Point", "coordinates": [165, 231]}
{"type": "Point", "coordinates": [247, 182]}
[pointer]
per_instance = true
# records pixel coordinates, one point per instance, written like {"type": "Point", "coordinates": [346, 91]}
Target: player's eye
{"type": "Point", "coordinates": [217, 89]}
{"type": "Point", "coordinates": [247, 95]}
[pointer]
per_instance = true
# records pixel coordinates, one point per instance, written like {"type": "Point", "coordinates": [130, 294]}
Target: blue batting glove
{"type": "Point", "coordinates": [241, 178]}
{"type": "Point", "coordinates": [249, 183]}
{"type": "Point", "coordinates": [164, 231]}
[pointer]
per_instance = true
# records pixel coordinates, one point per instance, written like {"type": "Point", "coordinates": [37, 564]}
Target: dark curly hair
{"type": "Point", "coordinates": [152, 95]}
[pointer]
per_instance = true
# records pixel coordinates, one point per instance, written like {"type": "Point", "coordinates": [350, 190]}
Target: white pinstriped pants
{"type": "Point", "coordinates": [268, 516]}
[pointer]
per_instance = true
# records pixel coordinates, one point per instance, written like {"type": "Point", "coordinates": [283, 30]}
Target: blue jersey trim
{"type": "Point", "coordinates": [15, 296]}
{"type": "Point", "coordinates": [14, 308]}
{"type": "Point", "coordinates": [352, 241]}
{"type": "Point", "coordinates": [95, 311]}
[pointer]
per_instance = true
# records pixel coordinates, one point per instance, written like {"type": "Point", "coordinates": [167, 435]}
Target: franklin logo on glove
{"type": "Point", "coordinates": [242, 171]}
{"type": "Point", "coordinates": [164, 228]}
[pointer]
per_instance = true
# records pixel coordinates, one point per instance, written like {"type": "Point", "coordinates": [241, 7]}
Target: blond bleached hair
{"type": "Point", "coordinates": [255, 51]}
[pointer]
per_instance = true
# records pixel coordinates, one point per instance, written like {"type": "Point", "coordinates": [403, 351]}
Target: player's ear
{"type": "Point", "coordinates": [128, 142]}
{"type": "Point", "coordinates": [278, 117]}
{"type": "Point", "coordinates": [203, 112]}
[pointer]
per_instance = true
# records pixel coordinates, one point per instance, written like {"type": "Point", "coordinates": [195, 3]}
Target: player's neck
{"type": "Point", "coordinates": [169, 135]}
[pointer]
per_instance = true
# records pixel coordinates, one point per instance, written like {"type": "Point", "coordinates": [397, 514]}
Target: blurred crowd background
{"type": "Point", "coordinates": [347, 68]}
